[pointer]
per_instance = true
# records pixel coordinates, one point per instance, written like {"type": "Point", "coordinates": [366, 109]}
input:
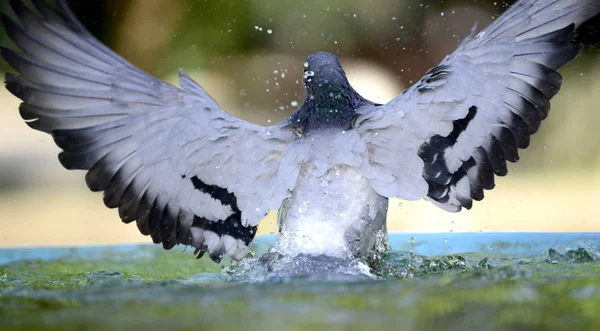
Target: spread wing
{"type": "Point", "coordinates": [447, 136]}
{"type": "Point", "coordinates": [168, 158]}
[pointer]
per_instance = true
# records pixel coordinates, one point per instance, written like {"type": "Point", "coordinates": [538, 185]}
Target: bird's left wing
{"type": "Point", "coordinates": [446, 137]}
{"type": "Point", "coordinates": [168, 158]}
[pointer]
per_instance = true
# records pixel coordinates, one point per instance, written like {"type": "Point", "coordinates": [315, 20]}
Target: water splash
{"type": "Point", "coordinates": [276, 267]}
{"type": "Point", "coordinates": [580, 255]}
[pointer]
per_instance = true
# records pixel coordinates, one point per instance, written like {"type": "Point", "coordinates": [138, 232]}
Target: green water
{"type": "Point", "coordinates": [146, 287]}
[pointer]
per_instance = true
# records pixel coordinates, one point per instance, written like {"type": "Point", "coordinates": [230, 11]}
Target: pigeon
{"type": "Point", "coordinates": [189, 173]}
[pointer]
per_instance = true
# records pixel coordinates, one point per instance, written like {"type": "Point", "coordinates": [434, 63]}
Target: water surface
{"type": "Point", "coordinates": [450, 281]}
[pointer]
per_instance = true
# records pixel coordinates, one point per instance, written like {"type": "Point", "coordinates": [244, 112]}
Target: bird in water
{"type": "Point", "coordinates": [188, 173]}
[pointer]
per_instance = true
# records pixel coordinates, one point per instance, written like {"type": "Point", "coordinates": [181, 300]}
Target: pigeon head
{"type": "Point", "coordinates": [330, 100]}
{"type": "Point", "coordinates": [321, 69]}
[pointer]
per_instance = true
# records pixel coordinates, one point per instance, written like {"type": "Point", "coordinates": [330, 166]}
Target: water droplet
{"type": "Point", "coordinates": [294, 103]}
{"type": "Point", "coordinates": [309, 73]}
{"type": "Point", "coordinates": [269, 31]}
{"type": "Point", "coordinates": [303, 207]}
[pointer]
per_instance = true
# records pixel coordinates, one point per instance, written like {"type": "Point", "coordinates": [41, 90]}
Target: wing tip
{"type": "Point", "coordinates": [14, 85]}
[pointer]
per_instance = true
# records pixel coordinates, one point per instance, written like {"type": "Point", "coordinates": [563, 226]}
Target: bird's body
{"type": "Point", "coordinates": [332, 209]}
{"type": "Point", "coordinates": [189, 173]}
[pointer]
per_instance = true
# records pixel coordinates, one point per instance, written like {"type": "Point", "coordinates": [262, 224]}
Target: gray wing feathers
{"type": "Point", "coordinates": [528, 19]}
{"type": "Point", "coordinates": [471, 114]}
{"type": "Point", "coordinates": [167, 158]}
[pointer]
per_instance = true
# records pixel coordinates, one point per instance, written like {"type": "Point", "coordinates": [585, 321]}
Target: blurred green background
{"type": "Point", "coordinates": [248, 55]}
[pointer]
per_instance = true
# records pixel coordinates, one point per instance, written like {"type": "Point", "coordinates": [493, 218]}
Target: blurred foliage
{"type": "Point", "coordinates": [217, 33]}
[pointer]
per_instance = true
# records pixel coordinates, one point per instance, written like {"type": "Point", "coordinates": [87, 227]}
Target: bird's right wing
{"type": "Point", "coordinates": [446, 137]}
{"type": "Point", "coordinates": [168, 158]}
